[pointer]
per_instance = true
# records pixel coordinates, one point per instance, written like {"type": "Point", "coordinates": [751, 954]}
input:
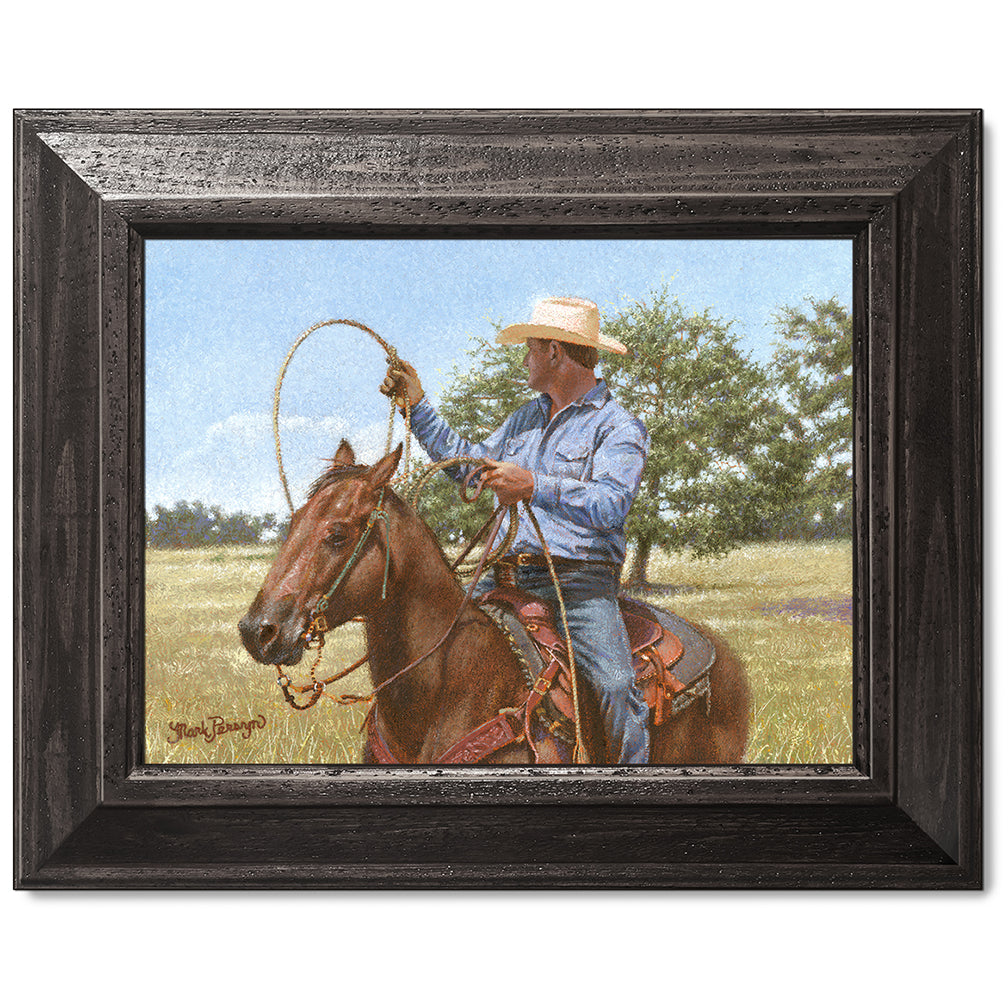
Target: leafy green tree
{"type": "Point", "coordinates": [814, 359]}
{"type": "Point", "coordinates": [727, 463]}
{"type": "Point", "coordinates": [718, 469]}
{"type": "Point", "coordinates": [188, 525]}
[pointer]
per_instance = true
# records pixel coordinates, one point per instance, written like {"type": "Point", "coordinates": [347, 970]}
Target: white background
{"type": "Point", "coordinates": [680, 948]}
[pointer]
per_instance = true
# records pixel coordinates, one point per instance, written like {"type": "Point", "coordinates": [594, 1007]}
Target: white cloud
{"type": "Point", "coordinates": [235, 467]}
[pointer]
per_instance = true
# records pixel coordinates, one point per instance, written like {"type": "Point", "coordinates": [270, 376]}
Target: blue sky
{"type": "Point", "coordinates": [222, 315]}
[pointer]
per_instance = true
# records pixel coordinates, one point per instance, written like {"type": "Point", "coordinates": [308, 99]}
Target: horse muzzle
{"type": "Point", "coordinates": [272, 632]}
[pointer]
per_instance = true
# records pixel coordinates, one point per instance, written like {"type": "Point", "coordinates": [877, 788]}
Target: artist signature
{"type": "Point", "coordinates": [213, 727]}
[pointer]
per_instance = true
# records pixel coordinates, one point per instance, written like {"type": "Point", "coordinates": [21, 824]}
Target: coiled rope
{"type": "Point", "coordinates": [464, 570]}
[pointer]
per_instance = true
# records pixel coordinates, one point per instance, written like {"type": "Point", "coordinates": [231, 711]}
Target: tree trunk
{"type": "Point", "coordinates": [638, 569]}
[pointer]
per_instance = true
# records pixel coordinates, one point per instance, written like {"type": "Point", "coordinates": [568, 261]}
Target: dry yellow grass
{"type": "Point", "coordinates": [197, 670]}
{"type": "Point", "coordinates": [800, 668]}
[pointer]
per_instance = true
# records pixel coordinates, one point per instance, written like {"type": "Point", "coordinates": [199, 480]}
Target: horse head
{"type": "Point", "coordinates": [334, 557]}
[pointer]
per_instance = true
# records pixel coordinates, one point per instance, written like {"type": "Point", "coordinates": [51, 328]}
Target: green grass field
{"type": "Point", "coordinates": [198, 674]}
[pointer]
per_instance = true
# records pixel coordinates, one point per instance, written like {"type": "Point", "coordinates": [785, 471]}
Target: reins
{"type": "Point", "coordinates": [314, 636]}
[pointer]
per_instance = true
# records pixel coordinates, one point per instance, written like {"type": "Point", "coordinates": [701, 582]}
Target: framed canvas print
{"type": "Point", "coordinates": [739, 523]}
{"type": "Point", "coordinates": [720, 370]}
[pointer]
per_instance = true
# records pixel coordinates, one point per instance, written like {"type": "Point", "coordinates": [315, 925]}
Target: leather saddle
{"type": "Point", "coordinates": [671, 658]}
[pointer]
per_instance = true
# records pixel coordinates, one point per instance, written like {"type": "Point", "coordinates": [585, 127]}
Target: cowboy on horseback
{"type": "Point", "coordinates": [576, 456]}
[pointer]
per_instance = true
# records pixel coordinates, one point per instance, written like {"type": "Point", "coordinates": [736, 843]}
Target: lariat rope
{"type": "Point", "coordinates": [512, 531]}
{"type": "Point", "coordinates": [393, 358]}
{"type": "Point", "coordinates": [580, 754]}
{"type": "Point", "coordinates": [316, 632]}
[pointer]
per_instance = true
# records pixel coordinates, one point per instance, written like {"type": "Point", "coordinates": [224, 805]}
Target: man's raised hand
{"type": "Point", "coordinates": [402, 382]}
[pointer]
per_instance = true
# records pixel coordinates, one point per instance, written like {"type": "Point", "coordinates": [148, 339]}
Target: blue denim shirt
{"type": "Point", "coordinates": [587, 463]}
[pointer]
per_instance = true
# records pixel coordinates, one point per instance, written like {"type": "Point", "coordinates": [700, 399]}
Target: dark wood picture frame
{"type": "Point", "coordinates": [91, 186]}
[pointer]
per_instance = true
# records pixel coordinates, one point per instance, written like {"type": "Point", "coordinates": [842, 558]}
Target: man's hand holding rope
{"type": "Point", "coordinates": [402, 383]}
{"type": "Point", "coordinates": [508, 481]}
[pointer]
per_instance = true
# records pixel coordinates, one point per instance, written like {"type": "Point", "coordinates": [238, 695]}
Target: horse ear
{"type": "Point", "coordinates": [344, 454]}
{"type": "Point", "coordinates": [382, 470]}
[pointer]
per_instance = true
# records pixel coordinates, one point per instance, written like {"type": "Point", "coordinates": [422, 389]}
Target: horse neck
{"type": "Point", "coordinates": [423, 599]}
{"type": "Point", "coordinates": [433, 705]}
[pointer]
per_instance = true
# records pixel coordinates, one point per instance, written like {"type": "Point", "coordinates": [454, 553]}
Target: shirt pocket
{"type": "Point", "coordinates": [573, 459]}
{"type": "Point", "coordinates": [517, 449]}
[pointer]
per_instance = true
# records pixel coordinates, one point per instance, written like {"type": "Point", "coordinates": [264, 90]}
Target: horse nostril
{"type": "Point", "coordinates": [267, 632]}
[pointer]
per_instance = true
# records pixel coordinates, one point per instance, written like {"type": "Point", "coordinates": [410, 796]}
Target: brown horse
{"type": "Point", "coordinates": [394, 575]}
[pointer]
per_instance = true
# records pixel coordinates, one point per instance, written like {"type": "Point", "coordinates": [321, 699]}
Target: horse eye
{"type": "Point", "coordinates": [337, 537]}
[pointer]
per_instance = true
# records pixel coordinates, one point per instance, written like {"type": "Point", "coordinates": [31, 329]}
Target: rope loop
{"type": "Point", "coordinates": [392, 357]}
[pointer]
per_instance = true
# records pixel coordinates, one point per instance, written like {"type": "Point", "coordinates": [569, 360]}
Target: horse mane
{"type": "Point", "coordinates": [336, 473]}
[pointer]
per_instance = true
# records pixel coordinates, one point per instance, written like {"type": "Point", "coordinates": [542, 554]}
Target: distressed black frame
{"type": "Point", "coordinates": [91, 186]}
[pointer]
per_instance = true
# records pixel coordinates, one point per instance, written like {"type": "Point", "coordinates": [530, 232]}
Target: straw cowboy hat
{"type": "Point", "coordinates": [569, 320]}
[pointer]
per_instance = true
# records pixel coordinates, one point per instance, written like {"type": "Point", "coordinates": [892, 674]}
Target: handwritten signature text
{"type": "Point", "coordinates": [212, 728]}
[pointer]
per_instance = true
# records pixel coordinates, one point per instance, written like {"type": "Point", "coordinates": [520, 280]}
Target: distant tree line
{"type": "Point", "coordinates": [189, 525]}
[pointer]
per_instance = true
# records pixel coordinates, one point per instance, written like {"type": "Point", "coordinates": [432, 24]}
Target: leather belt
{"type": "Point", "coordinates": [506, 568]}
{"type": "Point", "coordinates": [538, 560]}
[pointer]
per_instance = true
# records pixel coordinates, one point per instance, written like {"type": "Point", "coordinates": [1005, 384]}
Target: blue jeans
{"type": "Point", "coordinates": [601, 650]}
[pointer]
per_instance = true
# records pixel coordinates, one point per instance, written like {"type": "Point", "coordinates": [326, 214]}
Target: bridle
{"type": "Point", "coordinates": [317, 625]}
{"type": "Point", "coordinates": [313, 638]}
